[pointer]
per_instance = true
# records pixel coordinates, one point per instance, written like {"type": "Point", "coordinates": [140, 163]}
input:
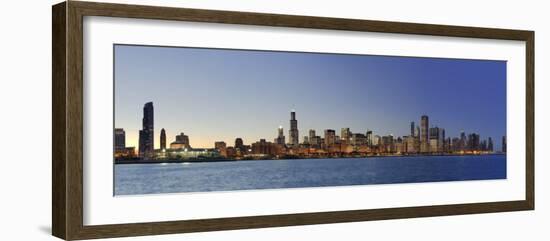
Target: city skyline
{"type": "Point", "coordinates": [323, 108]}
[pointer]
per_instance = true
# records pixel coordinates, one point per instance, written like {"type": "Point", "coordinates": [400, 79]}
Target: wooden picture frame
{"type": "Point", "coordinates": [67, 123]}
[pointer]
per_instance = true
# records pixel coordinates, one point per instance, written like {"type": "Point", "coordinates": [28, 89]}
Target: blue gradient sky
{"type": "Point", "coordinates": [218, 95]}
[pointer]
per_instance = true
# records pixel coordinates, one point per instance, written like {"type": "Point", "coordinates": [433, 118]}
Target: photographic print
{"type": "Point", "coordinates": [202, 119]}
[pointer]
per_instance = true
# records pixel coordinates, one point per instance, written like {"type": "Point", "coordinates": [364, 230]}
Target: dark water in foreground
{"type": "Point", "coordinates": [270, 174]}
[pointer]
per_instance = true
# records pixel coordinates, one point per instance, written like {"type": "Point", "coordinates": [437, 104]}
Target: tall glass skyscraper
{"type": "Point", "coordinates": [162, 139]}
{"type": "Point", "coordinates": [146, 134]}
{"type": "Point", "coordinates": [424, 134]}
{"type": "Point", "coordinates": [293, 132]}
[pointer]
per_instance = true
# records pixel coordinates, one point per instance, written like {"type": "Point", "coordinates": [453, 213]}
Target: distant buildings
{"type": "Point", "coordinates": [221, 147]}
{"type": "Point", "coordinates": [345, 134]}
{"type": "Point", "coordinates": [421, 140]}
{"type": "Point", "coordinates": [121, 151]}
{"type": "Point", "coordinates": [120, 138]}
{"type": "Point", "coordinates": [162, 139]}
{"type": "Point", "coordinates": [280, 137]}
{"type": "Point", "coordinates": [293, 132]}
{"type": "Point", "coordinates": [146, 134]}
{"type": "Point", "coordinates": [424, 135]}
{"type": "Point", "coordinates": [330, 137]}
{"type": "Point", "coordinates": [181, 142]}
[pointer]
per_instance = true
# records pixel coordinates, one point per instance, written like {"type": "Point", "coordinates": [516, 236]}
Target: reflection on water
{"type": "Point", "coordinates": [270, 174]}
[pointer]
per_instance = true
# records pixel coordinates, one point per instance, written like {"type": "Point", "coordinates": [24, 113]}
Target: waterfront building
{"type": "Point", "coordinates": [221, 147]}
{"type": "Point", "coordinates": [441, 140]}
{"type": "Point", "coordinates": [433, 145]}
{"type": "Point", "coordinates": [125, 153]}
{"type": "Point", "coordinates": [345, 133]}
{"type": "Point", "coordinates": [386, 144]}
{"type": "Point", "coordinates": [280, 136]}
{"type": "Point", "coordinates": [330, 137]}
{"type": "Point", "coordinates": [434, 139]}
{"type": "Point", "coordinates": [399, 146]}
{"type": "Point", "coordinates": [190, 153]}
{"type": "Point", "coordinates": [120, 138]}
{"type": "Point", "coordinates": [411, 144]}
{"type": "Point", "coordinates": [306, 140]}
{"type": "Point", "coordinates": [293, 132]}
{"type": "Point", "coordinates": [369, 138]}
{"type": "Point", "coordinates": [412, 128]}
{"type": "Point", "coordinates": [483, 145]}
{"type": "Point", "coordinates": [181, 142]}
{"type": "Point", "coordinates": [311, 134]}
{"type": "Point", "coordinates": [376, 140]}
{"type": "Point", "coordinates": [490, 147]}
{"type": "Point", "coordinates": [146, 134]}
{"type": "Point", "coordinates": [424, 135]}
{"type": "Point", "coordinates": [239, 144]}
{"type": "Point", "coordinates": [473, 142]}
{"type": "Point", "coordinates": [358, 139]}
{"type": "Point", "coordinates": [265, 148]}
{"type": "Point", "coordinates": [162, 139]}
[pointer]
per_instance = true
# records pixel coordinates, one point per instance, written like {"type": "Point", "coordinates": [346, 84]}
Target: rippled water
{"type": "Point", "coordinates": [270, 174]}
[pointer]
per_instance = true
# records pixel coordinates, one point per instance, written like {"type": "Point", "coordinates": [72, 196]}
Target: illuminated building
{"type": "Point", "coordinates": [434, 139]}
{"type": "Point", "coordinates": [369, 138]}
{"type": "Point", "coordinates": [293, 132]}
{"type": "Point", "coordinates": [358, 139]}
{"type": "Point", "coordinates": [126, 152]}
{"type": "Point", "coordinates": [411, 144]}
{"type": "Point", "coordinates": [146, 134]}
{"type": "Point", "coordinates": [345, 133]}
{"type": "Point", "coordinates": [263, 147]}
{"type": "Point", "coordinates": [330, 137]}
{"type": "Point", "coordinates": [162, 139]}
{"type": "Point", "coordinates": [191, 153]}
{"type": "Point", "coordinates": [473, 142]}
{"type": "Point", "coordinates": [424, 135]}
{"type": "Point", "coordinates": [221, 147]}
{"type": "Point", "coordinates": [182, 141]}
{"type": "Point", "coordinates": [280, 137]}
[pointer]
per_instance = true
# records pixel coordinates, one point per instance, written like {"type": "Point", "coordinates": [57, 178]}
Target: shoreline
{"type": "Point", "coordinates": [137, 161]}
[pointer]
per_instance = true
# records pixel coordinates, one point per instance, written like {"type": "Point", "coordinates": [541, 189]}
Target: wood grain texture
{"type": "Point", "coordinates": [59, 191]}
{"type": "Point", "coordinates": [67, 180]}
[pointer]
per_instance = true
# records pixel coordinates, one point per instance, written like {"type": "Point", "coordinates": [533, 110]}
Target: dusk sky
{"type": "Point", "coordinates": [219, 94]}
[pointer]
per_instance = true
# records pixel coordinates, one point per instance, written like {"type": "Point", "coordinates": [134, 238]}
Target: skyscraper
{"type": "Point", "coordinates": [146, 134]}
{"type": "Point", "coordinates": [330, 137]}
{"type": "Point", "coordinates": [345, 133]}
{"type": "Point", "coordinates": [280, 136]}
{"type": "Point", "coordinates": [434, 139]}
{"type": "Point", "coordinates": [162, 139]}
{"type": "Point", "coordinates": [239, 143]}
{"type": "Point", "coordinates": [120, 138]}
{"type": "Point", "coordinates": [369, 138]}
{"type": "Point", "coordinates": [424, 134]}
{"type": "Point", "coordinates": [293, 132]}
{"type": "Point", "coordinates": [412, 128]}
{"type": "Point", "coordinates": [490, 147]}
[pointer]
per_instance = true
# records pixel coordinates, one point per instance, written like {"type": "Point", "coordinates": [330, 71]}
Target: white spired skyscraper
{"type": "Point", "coordinates": [293, 132]}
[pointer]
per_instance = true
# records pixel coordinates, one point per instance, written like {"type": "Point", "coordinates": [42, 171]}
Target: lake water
{"type": "Point", "coordinates": [270, 174]}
